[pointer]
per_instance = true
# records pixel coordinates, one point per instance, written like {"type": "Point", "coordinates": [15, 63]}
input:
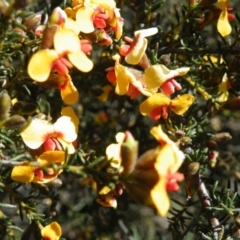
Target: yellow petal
{"type": "Point", "coordinates": [51, 156]}
{"type": "Point", "coordinates": [69, 93]}
{"type": "Point", "coordinates": [52, 231]}
{"type": "Point", "coordinates": [155, 76]}
{"type": "Point", "coordinates": [24, 174]}
{"type": "Point", "coordinates": [146, 32]}
{"type": "Point", "coordinates": [156, 100]}
{"type": "Point", "coordinates": [81, 61]}
{"type": "Point", "coordinates": [73, 25]}
{"type": "Point", "coordinates": [105, 190]}
{"type": "Point", "coordinates": [84, 18]}
{"type": "Point", "coordinates": [160, 136]}
{"type": "Point", "coordinates": [67, 146]}
{"type": "Point", "coordinates": [181, 104]}
{"type": "Point", "coordinates": [66, 128]}
{"type": "Point", "coordinates": [40, 65]}
{"type": "Point", "coordinates": [222, 4]}
{"type": "Point", "coordinates": [223, 25]}
{"type": "Point", "coordinates": [36, 132]}
{"type": "Point", "coordinates": [223, 89]}
{"type": "Point", "coordinates": [113, 154]}
{"type": "Point", "coordinates": [160, 198]}
{"type": "Point", "coordinates": [137, 52]}
{"type": "Point", "coordinates": [123, 78]}
{"type": "Point", "coordinates": [174, 158]}
{"type": "Point", "coordinates": [66, 41]}
{"type": "Point", "coordinates": [120, 137]}
{"type": "Point", "coordinates": [69, 112]}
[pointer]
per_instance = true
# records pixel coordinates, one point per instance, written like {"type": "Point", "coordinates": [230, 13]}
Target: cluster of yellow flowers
{"type": "Point", "coordinates": [62, 48]}
{"type": "Point", "coordinates": [147, 178]}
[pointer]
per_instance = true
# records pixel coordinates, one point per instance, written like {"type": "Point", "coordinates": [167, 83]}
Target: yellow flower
{"type": "Point", "coordinates": [52, 231]}
{"type": "Point", "coordinates": [159, 76]}
{"type": "Point", "coordinates": [134, 53]}
{"type": "Point", "coordinates": [125, 78]}
{"type": "Point", "coordinates": [223, 25]}
{"type": "Point", "coordinates": [43, 172]}
{"type": "Point", "coordinates": [66, 42]}
{"type": "Point", "coordinates": [95, 14]}
{"type": "Point", "coordinates": [59, 135]}
{"type": "Point", "coordinates": [155, 174]}
{"type": "Point", "coordinates": [157, 105]}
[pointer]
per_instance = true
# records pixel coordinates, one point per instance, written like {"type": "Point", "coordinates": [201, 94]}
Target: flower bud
{"type": "Point", "coordinates": [14, 122]}
{"type": "Point", "coordinates": [129, 152]}
{"type": "Point", "coordinates": [5, 105]}
{"type": "Point", "coordinates": [102, 37]}
{"type": "Point", "coordinates": [32, 22]}
{"type": "Point", "coordinates": [58, 16]}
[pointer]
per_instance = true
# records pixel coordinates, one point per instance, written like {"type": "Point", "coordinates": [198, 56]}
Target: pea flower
{"type": "Point", "coordinates": [66, 42]}
{"type": "Point", "coordinates": [92, 15]}
{"type": "Point", "coordinates": [52, 231]}
{"type": "Point", "coordinates": [159, 76]}
{"type": "Point", "coordinates": [156, 173]}
{"type": "Point", "coordinates": [57, 136]}
{"type": "Point", "coordinates": [40, 171]}
{"type": "Point", "coordinates": [223, 25]}
{"type": "Point", "coordinates": [126, 78]}
{"type": "Point", "coordinates": [107, 198]}
{"type": "Point", "coordinates": [157, 105]}
{"type": "Point", "coordinates": [134, 53]}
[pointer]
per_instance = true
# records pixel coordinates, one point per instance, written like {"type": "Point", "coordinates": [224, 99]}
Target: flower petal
{"type": "Point", "coordinates": [160, 136]}
{"type": "Point", "coordinates": [69, 93]}
{"type": "Point", "coordinates": [66, 128]}
{"type": "Point", "coordinates": [73, 25]}
{"type": "Point", "coordinates": [154, 101]}
{"type": "Point", "coordinates": [57, 157]}
{"type": "Point", "coordinates": [36, 132]}
{"type": "Point", "coordinates": [40, 65]}
{"type": "Point", "coordinates": [84, 17]}
{"type": "Point", "coordinates": [160, 197]}
{"type": "Point", "coordinates": [181, 104]}
{"type": "Point", "coordinates": [223, 25]}
{"type": "Point", "coordinates": [24, 174]}
{"type": "Point", "coordinates": [174, 158]}
{"type": "Point", "coordinates": [155, 76]}
{"type": "Point", "coordinates": [66, 41]}
{"type": "Point", "coordinates": [69, 112]}
{"type": "Point", "coordinates": [123, 78]}
{"type": "Point", "coordinates": [138, 50]}
{"type": "Point", "coordinates": [52, 231]}
{"type": "Point", "coordinates": [146, 32]}
{"type": "Point", "coordinates": [81, 61]}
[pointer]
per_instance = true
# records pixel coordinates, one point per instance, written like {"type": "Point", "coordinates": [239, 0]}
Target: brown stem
{"type": "Point", "coordinates": [206, 203]}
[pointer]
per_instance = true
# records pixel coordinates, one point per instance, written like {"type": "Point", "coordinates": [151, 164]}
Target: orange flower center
{"type": "Point", "coordinates": [156, 113]}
